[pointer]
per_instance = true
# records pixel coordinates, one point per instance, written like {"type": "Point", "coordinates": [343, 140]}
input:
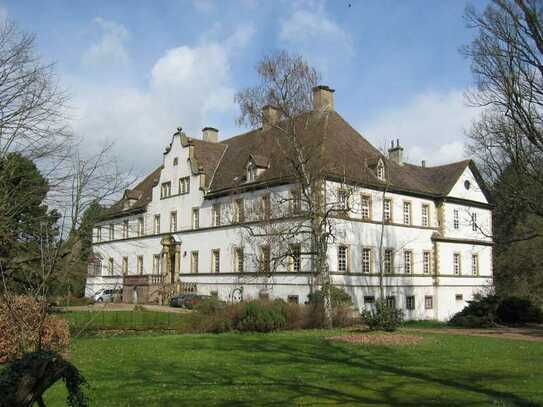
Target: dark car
{"type": "Point", "coordinates": [187, 300]}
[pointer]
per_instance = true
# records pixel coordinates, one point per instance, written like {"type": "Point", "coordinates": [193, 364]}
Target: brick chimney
{"type": "Point", "coordinates": [210, 134]}
{"type": "Point", "coordinates": [395, 152]}
{"type": "Point", "coordinates": [323, 98]}
{"type": "Point", "coordinates": [270, 116]}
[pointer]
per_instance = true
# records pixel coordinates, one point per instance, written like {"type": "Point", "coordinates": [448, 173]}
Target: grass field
{"type": "Point", "coordinates": [82, 322]}
{"type": "Point", "coordinates": [303, 368]}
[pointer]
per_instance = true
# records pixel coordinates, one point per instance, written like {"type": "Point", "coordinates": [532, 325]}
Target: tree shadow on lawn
{"type": "Point", "coordinates": [288, 370]}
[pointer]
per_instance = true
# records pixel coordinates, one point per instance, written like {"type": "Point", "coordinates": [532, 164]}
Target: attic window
{"type": "Point", "coordinates": [381, 171]}
{"type": "Point", "coordinates": [467, 184]}
{"type": "Point", "coordinates": [175, 161]}
{"type": "Point", "coordinates": [251, 172]}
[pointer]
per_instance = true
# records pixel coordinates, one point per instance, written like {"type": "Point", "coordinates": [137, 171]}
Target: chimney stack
{"type": "Point", "coordinates": [270, 116]}
{"type": "Point", "coordinates": [423, 163]}
{"type": "Point", "coordinates": [395, 153]}
{"type": "Point", "coordinates": [323, 98]}
{"type": "Point", "coordinates": [210, 134]}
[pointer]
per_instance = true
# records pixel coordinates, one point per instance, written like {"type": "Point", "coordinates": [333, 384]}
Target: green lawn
{"type": "Point", "coordinates": [303, 368]}
{"type": "Point", "coordinates": [82, 322]}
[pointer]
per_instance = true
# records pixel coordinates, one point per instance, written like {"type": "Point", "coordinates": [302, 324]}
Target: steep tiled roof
{"type": "Point", "coordinates": [339, 150]}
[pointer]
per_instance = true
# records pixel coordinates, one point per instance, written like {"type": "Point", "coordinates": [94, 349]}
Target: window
{"type": "Point", "coordinates": [410, 302]}
{"type": "Point", "coordinates": [99, 234]}
{"type": "Point", "coordinates": [369, 299]}
{"type": "Point", "coordinates": [391, 302]}
{"type": "Point", "coordinates": [474, 222]}
{"type": "Point", "coordinates": [426, 262]}
{"type": "Point", "coordinates": [389, 261]}
{"type": "Point", "coordinates": [125, 229]}
{"type": "Point", "coordinates": [475, 264]}
{"type": "Point", "coordinates": [459, 297]}
{"type": "Point", "coordinates": [342, 258]}
{"type": "Point", "coordinates": [407, 213]}
{"type": "Point", "coordinates": [381, 171]}
{"type": "Point", "coordinates": [425, 215]}
{"type": "Point", "coordinates": [238, 260]}
{"type": "Point", "coordinates": [366, 260]}
{"type": "Point", "coordinates": [265, 259]}
{"type": "Point", "coordinates": [165, 189]}
{"type": "Point", "coordinates": [156, 264]}
{"type": "Point", "coordinates": [456, 264]}
{"type": "Point", "coordinates": [408, 261]}
{"type": "Point", "coordinates": [292, 299]}
{"type": "Point", "coordinates": [216, 215]}
{"type": "Point", "coordinates": [456, 220]}
{"type": "Point", "coordinates": [140, 227]}
{"type": "Point", "coordinates": [365, 207]}
{"type": "Point", "coordinates": [343, 200]}
{"type": "Point", "coordinates": [110, 266]}
{"type": "Point", "coordinates": [194, 262]}
{"type": "Point", "coordinates": [251, 172]}
{"type": "Point", "coordinates": [428, 302]}
{"type": "Point", "coordinates": [111, 231]}
{"type": "Point", "coordinates": [139, 264]}
{"type": "Point", "coordinates": [156, 227]}
{"type": "Point", "coordinates": [266, 208]}
{"type": "Point", "coordinates": [125, 265]}
{"type": "Point", "coordinates": [214, 294]}
{"type": "Point", "coordinates": [387, 210]}
{"type": "Point", "coordinates": [173, 221]}
{"type": "Point", "coordinates": [294, 259]}
{"type": "Point", "coordinates": [295, 201]}
{"type": "Point", "coordinates": [184, 185]}
{"type": "Point", "coordinates": [239, 211]}
{"type": "Point", "coordinates": [175, 161]}
{"type": "Point", "coordinates": [215, 261]}
{"type": "Point", "coordinates": [195, 218]}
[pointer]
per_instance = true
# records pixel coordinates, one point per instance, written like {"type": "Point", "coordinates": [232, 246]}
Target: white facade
{"type": "Point", "coordinates": [449, 257]}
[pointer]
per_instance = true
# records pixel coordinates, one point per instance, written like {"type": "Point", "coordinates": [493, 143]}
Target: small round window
{"type": "Point", "coordinates": [467, 184]}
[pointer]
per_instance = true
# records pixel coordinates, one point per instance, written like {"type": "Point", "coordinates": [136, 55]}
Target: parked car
{"type": "Point", "coordinates": [188, 300]}
{"type": "Point", "coordinates": [107, 295]}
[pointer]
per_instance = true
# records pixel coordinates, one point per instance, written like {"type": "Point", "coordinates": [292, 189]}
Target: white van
{"type": "Point", "coordinates": [107, 295]}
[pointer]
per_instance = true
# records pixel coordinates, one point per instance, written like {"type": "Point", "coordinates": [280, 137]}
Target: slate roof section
{"type": "Point", "coordinates": [342, 153]}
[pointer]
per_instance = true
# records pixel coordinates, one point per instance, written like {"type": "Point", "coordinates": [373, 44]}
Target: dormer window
{"type": "Point", "coordinates": [251, 172]}
{"type": "Point", "coordinates": [175, 161]}
{"type": "Point", "coordinates": [380, 170]}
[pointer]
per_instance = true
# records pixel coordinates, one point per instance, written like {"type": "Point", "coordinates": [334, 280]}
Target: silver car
{"type": "Point", "coordinates": [107, 295]}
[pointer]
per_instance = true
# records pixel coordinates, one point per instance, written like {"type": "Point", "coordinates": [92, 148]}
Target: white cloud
{"type": "Point", "coordinates": [310, 30]}
{"type": "Point", "coordinates": [188, 86]}
{"type": "Point", "coordinates": [110, 48]}
{"type": "Point", "coordinates": [430, 127]}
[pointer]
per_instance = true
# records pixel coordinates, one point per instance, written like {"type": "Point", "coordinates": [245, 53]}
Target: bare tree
{"type": "Point", "coordinates": [286, 84]}
{"type": "Point", "coordinates": [507, 64]}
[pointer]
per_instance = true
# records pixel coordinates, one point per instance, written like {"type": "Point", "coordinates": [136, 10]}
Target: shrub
{"type": "Point", "coordinates": [213, 315]}
{"type": "Point", "coordinates": [383, 317]}
{"type": "Point", "coordinates": [21, 320]}
{"type": "Point", "coordinates": [260, 316]}
{"type": "Point", "coordinates": [479, 313]}
{"type": "Point", "coordinates": [517, 310]}
{"type": "Point", "coordinates": [342, 312]}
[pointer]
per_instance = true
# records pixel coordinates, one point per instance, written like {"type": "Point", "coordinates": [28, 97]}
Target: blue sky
{"type": "Point", "coordinates": [137, 70]}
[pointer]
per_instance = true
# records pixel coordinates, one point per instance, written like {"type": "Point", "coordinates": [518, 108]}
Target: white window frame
{"type": "Point", "coordinates": [388, 261]}
{"type": "Point", "coordinates": [457, 264]}
{"type": "Point", "coordinates": [475, 264]}
{"type": "Point", "coordinates": [139, 264]}
{"type": "Point", "coordinates": [156, 225]}
{"type": "Point", "coordinates": [343, 258]}
{"type": "Point", "coordinates": [215, 261]}
{"type": "Point", "coordinates": [408, 261]}
{"type": "Point", "coordinates": [194, 262]}
{"type": "Point", "coordinates": [425, 217]}
{"type": "Point", "coordinates": [406, 212]}
{"type": "Point", "coordinates": [365, 206]}
{"type": "Point", "coordinates": [173, 221]}
{"type": "Point", "coordinates": [294, 258]}
{"type": "Point", "coordinates": [195, 218]}
{"type": "Point", "coordinates": [456, 219]}
{"type": "Point", "coordinates": [216, 215]}
{"type": "Point", "coordinates": [427, 262]}
{"type": "Point", "coordinates": [387, 210]}
{"type": "Point", "coordinates": [366, 260]}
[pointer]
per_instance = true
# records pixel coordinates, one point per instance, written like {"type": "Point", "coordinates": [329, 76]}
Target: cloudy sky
{"type": "Point", "coordinates": [137, 70]}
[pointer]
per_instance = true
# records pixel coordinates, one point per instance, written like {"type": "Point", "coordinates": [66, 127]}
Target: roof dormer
{"type": "Point", "coordinates": [256, 165]}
